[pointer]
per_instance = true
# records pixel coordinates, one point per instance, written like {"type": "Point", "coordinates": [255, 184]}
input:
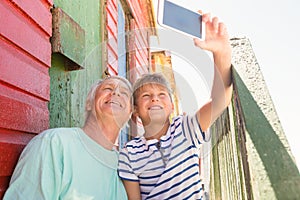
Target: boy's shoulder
{"type": "Point", "coordinates": [177, 119]}
{"type": "Point", "coordinates": [135, 142]}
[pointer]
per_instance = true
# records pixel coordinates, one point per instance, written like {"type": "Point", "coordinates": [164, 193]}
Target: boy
{"type": "Point", "coordinates": [164, 162]}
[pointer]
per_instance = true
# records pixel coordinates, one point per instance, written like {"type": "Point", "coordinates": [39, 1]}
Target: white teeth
{"type": "Point", "coordinates": [115, 103]}
{"type": "Point", "coordinates": [155, 108]}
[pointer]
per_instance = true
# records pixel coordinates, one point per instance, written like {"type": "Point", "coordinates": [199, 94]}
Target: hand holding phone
{"type": "Point", "coordinates": [180, 19]}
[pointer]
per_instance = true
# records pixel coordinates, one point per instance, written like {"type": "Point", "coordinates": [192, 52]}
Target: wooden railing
{"type": "Point", "coordinates": [250, 157]}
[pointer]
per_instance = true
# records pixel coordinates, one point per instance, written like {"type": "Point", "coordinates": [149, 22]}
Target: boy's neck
{"type": "Point", "coordinates": [155, 131]}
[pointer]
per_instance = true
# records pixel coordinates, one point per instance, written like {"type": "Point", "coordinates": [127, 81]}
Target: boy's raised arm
{"type": "Point", "coordinates": [216, 41]}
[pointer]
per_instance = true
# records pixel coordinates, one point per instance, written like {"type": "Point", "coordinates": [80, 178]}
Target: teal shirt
{"type": "Point", "coordinates": [64, 163]}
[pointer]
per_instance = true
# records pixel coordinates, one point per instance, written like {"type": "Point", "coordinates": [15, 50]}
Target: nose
{"type": "Point", "coordinates": [116, 91]}
{"type": "Point", "coordinates": [154, 98]}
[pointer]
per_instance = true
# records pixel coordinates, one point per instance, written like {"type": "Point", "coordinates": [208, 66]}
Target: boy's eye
{"type": "Point", "coordinates": [145, 95]}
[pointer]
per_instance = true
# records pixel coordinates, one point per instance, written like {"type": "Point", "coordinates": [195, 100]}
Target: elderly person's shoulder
{"type": "Point", "coordinates": [57, 135]}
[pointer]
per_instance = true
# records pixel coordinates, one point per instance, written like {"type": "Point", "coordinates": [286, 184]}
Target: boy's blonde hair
{"type": "Point", "coordinates": [153, 79]}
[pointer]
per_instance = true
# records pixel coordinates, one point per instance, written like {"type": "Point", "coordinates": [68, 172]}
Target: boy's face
{"type": "Point", "coordinates": [153, 104]}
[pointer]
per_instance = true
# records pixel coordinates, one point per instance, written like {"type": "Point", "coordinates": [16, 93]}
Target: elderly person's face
{"type": "Point", "coordinates": [113, 99]}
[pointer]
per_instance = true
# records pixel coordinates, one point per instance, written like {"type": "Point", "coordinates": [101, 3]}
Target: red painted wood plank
{"type": "Point", "coordinates": [4, 181]}
{"type": "Point", "coordinates": [133, 76]}
{"type": "Point", "coordinates": [9, 156]}
{"type": "Point", "coordinates": [142, 64]}
{"type": "Point", "coordinates": [39, 12]}
{"type": "Point", "coordinates": [22, 112]}
{"type": "Point", "coordinates": [140, 42]}
{"type": "Point", "coordinates": [141, 61]}
{"type": "Point", "coordinates": [112, 57]}
{"type": "Point", "coordinates": [142, 48]}
{"type": "Point", "coordinates": [142, 56]}
{"type": "Point", "coordinates": [112, 8]}
{"type": "Point", "coordinates": [113, 43]}
{"type": "Point", "coordinates": [140, 70]}
{"type": "Point", "coordinates": [111, 70]}
{"type": "Point", "coordinates": [49, 2]}
{"type": "Point", "coordinates": [111, 23]}
{"type": "Point", "coordinates": [131, 57]}
{"type": "Point", "coordinates": [146, 55]}
{"type": "Point", "coordinates": [142, 37]}
{"type": "Point", "coordinates": [111, 36]}
{"type": "Point", "coordinates": [19, 70]}
{"type": "Point", "coordinates": [114, 3]}
{"type": "Point", "coordinates": [137, 13]}
{"type": "Point", "coordinates": [14, 93]}
{"type": "Point", "coordinates": [12, 144]}
{"type": "Point", "coordinates": [24, 34]}
{"type": "Point", "coordinates": [15, 137]}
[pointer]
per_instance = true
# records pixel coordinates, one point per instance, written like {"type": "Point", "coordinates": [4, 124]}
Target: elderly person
{"type": "Point", "coordinates": [77, 163]}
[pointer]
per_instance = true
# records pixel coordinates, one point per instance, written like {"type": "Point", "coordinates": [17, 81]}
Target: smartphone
{"type": "Point", "coordinates": [180, 19]}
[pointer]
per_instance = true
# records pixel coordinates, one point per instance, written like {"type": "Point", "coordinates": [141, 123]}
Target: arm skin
{"type": "Point", "coordinates": [216, 41]}
{"type": "Point", "coordinates": [132, 189]}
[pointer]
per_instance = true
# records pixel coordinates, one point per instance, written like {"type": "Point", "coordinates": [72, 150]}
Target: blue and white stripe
{"type": "Point", "coordinates": [172, 171]}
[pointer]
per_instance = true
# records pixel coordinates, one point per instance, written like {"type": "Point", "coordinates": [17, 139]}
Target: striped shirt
{"type": "Point", "coordinates": [168, 168]}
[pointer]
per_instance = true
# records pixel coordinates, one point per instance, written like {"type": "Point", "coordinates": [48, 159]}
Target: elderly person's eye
{"type": "Point", "coordinates": [125, 93]}
{"type": "Point", "coordinates": [108, 88]}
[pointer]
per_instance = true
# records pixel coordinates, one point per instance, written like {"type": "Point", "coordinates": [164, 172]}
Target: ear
{"type": "Point", "coordinates": [88, 106]}
{"type": "Point", "coordinates": [135, 112]}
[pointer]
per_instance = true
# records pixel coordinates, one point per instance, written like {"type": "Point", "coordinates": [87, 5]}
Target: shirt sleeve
{"type": "Point", "coordinates": [192, 130]}
{"type": "Point", "coordinates": [125, 170]}
{"type": "Point", "coordinates": [38, 173]}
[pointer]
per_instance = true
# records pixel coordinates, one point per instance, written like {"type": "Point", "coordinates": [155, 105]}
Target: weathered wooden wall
{"type": "Point", "coordinates": [140, 32]}
{"type": "Point", "coordinates": [138, 27]}
{"type": "Point", "coordinates": [161, 61]}
{"type": "Point", "coordinates": [251, 158]}
{"type": "Point", "coordinates": [69, 87]}
{"type": "Point", "coordinates": [134, 27]}
{"type": "Point", "coordinates": [99, 20]}
{"type": "Point", "coordinates": [35, 96]}
{"type": "Point", "coordinates": [25, 58]}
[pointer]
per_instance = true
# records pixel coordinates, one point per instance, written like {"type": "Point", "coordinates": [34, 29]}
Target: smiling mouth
{"type": "Point", "coordinates": [115, 103]}
{"type": "Point", "coordinates": [155, 107]}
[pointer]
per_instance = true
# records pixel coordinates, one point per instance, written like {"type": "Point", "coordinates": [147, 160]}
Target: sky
{"type": "Point", "coordinates": [273, 30]}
